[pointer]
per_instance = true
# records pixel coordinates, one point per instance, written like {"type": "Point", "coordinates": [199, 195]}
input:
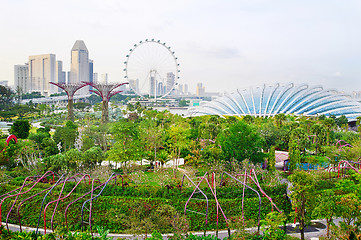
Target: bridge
{"type": "Point", "coordinates": [58, 100]}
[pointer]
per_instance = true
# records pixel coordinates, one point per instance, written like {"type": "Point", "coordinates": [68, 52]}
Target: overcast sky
{"type": "Point", "coordinates": [223, 44]}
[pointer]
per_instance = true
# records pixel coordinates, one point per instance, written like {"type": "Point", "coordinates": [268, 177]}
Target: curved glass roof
{"type": "Point", "coordinates": [290, 98]}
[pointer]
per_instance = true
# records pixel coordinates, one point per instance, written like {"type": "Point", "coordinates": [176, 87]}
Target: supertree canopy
{"type": "Point", "coordinates": [105, 91]}
{"type": "Point", "coordinates": [70, 89]}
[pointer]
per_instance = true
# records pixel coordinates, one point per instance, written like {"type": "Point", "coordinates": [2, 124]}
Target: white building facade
{"type": "Point", "coordinates": [41, 73]}
{"type": "Point", "coordinates": [21, 74]}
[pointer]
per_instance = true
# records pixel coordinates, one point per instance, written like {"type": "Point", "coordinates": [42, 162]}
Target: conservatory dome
{"type": "Point", "coordinates": [290, 98]}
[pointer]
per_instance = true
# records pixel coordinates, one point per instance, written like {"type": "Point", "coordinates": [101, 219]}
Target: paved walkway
{"type": "Point", "coordinates": [313, 232]}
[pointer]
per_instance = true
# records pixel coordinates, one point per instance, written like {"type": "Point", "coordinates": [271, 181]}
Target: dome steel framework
{"type": "Point", "coordinates": [270, 100]}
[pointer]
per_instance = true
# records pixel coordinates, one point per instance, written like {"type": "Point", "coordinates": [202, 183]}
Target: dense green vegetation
{"type": "Point", "coordinates": [151, 198]}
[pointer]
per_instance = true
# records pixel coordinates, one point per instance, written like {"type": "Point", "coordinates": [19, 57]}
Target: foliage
{"type": "Point", "coordinates": [299, 139]}
{"type": "Point", "coordinates": [303, 197]}
{"type": "Point", "coordinates": [22, 110]}
{"type": "Point", "coordinates": [271, 166]}
{"type": "Point", "coordinates": [294, 156]}
{"type": "Point", "coordinates": [38, 137]}
{"type": "Point", "coordinates": [6, 97]}
{"type": "Point", "coordinates": [66, 135]}
{"type": "Point", "coordinates": [92, 157]}
{"type": "Point", "coordinates": [20, 129]}
{"type": "Point", "coordinates": [271, 226]}
{"type": "Point", "coordinates": [241, 141]}
{"type": "Point", "coordinates": [32, 95]}
{"type": "Point", "coordinates": [326, 208]}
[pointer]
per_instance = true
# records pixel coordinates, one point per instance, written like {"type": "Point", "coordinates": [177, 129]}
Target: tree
{"type": "Point", "coordinates": [92, 156]}
{"type": "Point", "coordinates": [326, 207]}
{"type": "Point", "coordinates": [303, 197]}
{"type": "Point", "coordinates": [18, 94]}
{"type": "Point", "coordinates": [151, 136]}
{"type": "Point", "coordinates": [183, 103]}
{"type": "Point", "coordinates": [241, 141]}
{"type": "Point", "coordinates": [20, 128]}
{"type": "Point", "coordinates": [38, 137]}
{"type": "Point", "coordinates": [271, 166]}
{"type": "Point", "coordinates": [299, 135]}
{"type": "Point", "coordinates": [294, 156]}
{"type": "Point", "coordinates": [23, 110]}
{"type": "Point", "coordinates": [81, 105]}
{"type": "Point", "coordinates": [49, 147]}
{"type": "Point", "coordinates": [329, 124]}
{"type": "Point", "coordinates": [341, 121]}
{"type": "Point", "coordinates": [66, 135]}
{"type": "Point", "coordinates": [6, 97]}
{"type": "Point", "coordinates": [177, 140]}
{"type": "Point", "coordinates": [73, 159]}
{"type": "Point", "coordinates": [55, 162]}
{"type": "Point", "coordinates": [280, 119]}
{"type": "Point", "coordinates": [127, 144]}
{"type": "Point", "coordinates": [319, 132]}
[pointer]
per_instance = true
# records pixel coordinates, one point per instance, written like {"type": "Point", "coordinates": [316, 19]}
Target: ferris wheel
{"type": "Point", "coordinates": [151, 69]}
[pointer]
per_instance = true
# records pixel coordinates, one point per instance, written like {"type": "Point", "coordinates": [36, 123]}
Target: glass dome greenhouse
{"type": "Point", "coordinates": [290, 98]}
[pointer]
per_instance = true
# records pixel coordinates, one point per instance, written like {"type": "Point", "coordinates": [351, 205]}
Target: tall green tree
{"type": "Point", "coordinates": [299, 135]}
{"type": "Point", "coordinates": [271, 166]}
{"type": "Point", "coordinates": [6, 98]}
{"type": "Point", "coordinates": [326, 208]}
{"type": "Point", "coordinates": [151, 137]}
{"type": "Point", "coordinates": [303, 198]}
{"type": "Point", "coordinates": [330, 125]}
{"type": "Point", "coordinates": [127, 144]}
{"type": "Point", "coordinates": [20, 128]}
{"type": "Point", "coordinates": [294, 156]}
{"type": "Point", "coordinates": [241, 141]}
{"type": "Point", "coordinates": [66, 135]}
{"type": "Point", "coordinates": [320, 135]}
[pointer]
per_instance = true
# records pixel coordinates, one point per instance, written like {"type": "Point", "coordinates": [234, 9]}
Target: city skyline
{"type": "Point", "coordinates": [237, 43]}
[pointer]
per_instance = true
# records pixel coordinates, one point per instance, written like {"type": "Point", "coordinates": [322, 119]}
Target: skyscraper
{"type": "Point", "coordinates": [60, 76]}
{"type": "Point", "coordinates": [134, 85]}
{"type": "Point", "coordinates": [21, 73]}
{"type": "Point", "coordinates": [170, 81]}
{"type": "Point", "coordinates": [153, 86]}
{"type": "Point", "coordinates": [104, 78]}
{"type": "Point", "coordinates": [200, 90]}
{"type": "Point", "coordinates": [41, 73]}
{"type": "Point", "coordinates": [79, 69]}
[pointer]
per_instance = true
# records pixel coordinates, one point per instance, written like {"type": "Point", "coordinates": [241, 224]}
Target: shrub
{"type": "Point", "coordinates": [20, 128]}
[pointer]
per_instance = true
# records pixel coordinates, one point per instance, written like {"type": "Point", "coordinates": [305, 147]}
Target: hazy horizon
{"type": "Point", "coordinates": [223, 44]}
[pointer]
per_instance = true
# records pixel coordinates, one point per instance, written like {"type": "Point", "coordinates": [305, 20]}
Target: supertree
{"type": "Point", "coordinates": [105, 91]}
{"type": "Point", "coordinates": [70, 89]}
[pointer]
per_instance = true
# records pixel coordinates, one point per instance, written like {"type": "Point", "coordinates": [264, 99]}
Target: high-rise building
{"type": "Point", "coordinates": [41, 73]}
{"type": "Point", "coordinates": [153, 86]}
{"type": "Point", "coordinates": [21, 74]}
{"type": "Point", "coordinates": [91, 70]}
{"type": "Point", "coordinates": [60, 76]}
{"type": "Point", "coordinates": [200, 89]}
{"type": "Point", "coordinates": [170, 81]}
{"type": "Point", "coordinates": [160, 89]}
{"type": "Point", "coordinates": [79, 69]}
{"type": "Point", "coordinates": [95, 77]}
{"type": "Point", "coordinates": [185, 89]}
{"type": "Point", "coordinates": [134, 85]}
{"type": "Point", "coordinates": [104, 77]}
